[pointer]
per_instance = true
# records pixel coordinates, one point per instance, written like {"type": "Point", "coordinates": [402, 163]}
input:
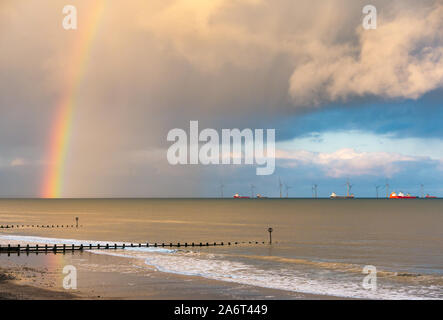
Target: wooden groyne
{"type": "Point", "coordinates": [62, 248]}
{"type": "Point", "coordinates": [17, 226]}
{"type": "Point", "coordinates": [47, 226]}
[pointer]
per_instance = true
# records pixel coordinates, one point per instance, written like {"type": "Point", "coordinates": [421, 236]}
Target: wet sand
{"type": "Point", "coordinates": [18, 283]}
{"type": "Point", "coordinates": [41, 277]}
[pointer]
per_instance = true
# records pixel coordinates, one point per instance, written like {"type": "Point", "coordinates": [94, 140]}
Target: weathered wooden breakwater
{"type": "Point", "coordinates": [47, 226]}
{"type": "Point", "coordinates": [62, 248]}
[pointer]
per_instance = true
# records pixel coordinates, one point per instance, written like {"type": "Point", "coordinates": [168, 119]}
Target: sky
{"type": "Point", "coordinates": [345, 102]}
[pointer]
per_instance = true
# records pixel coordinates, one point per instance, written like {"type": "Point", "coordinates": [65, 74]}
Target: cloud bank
{"type": "Point", "coordinates": [402, 58]}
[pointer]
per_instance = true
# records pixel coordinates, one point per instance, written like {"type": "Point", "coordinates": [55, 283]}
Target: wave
{"type": "Point", "coordinates": [289, 274]}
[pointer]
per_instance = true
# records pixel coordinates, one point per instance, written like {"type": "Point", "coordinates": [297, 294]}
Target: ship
{"type": "Point", "coordinates": [348, 195]}
{"type": "Point", "coordinates": [335, 196]}
{"type": "Point", "coordinates": [430, 197]}
{"type": "Point", "coordinates": [401, 195]}
{"type": "Point", "coordinates": [237, 196]}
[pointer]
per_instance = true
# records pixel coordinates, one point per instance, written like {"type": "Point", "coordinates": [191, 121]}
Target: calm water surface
{"type": "Point", "coordinates": [320, 246]}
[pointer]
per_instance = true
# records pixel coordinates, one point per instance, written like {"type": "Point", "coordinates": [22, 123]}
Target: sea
{"type": "Point", "coordinates": [349, 248]}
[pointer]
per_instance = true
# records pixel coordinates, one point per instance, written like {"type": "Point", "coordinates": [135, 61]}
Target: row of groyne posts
{"type": "Point", "coordinates": [62, 248]}
{"type": "Point", "coordinates": [57, 248]}
{"type": "Point", "coordinates": [12, 226]}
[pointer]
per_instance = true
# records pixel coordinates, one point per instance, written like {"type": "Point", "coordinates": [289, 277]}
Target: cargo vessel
{"type": "Point", "coordinates": [348, 195]}
{"type": "Point", "coordinates": [401, 195]}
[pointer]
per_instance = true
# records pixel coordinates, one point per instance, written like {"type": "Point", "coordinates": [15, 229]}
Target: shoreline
{"type": "Point", "coordinates": [34, 278]}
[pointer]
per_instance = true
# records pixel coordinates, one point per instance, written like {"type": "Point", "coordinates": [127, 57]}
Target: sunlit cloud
{"type": "Point", "coordinates": [347, 162]}
{"type": "Point", "coordinates": [402, 58]}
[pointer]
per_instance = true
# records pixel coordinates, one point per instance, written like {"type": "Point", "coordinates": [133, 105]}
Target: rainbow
{"type": "Point", "coordinates": [62, 123]}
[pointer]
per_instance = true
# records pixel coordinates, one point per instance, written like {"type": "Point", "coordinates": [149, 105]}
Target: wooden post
{"type": "Point", "coordinates": [270, 235]}
{"type": "Point", "coordinates": [64, 247]}
{"type": "Point", "coordinates": [76, 222]}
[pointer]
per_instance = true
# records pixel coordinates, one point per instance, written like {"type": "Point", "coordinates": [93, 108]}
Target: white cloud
{"type": "Point", "coordinates": [347, 162]}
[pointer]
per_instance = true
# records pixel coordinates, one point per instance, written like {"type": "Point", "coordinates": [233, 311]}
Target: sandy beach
{"type": "Point", "coordinates": [32, 277]}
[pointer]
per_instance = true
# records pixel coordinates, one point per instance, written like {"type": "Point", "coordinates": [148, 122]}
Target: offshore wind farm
{"type": "Point", "coordinates": [283, 189]}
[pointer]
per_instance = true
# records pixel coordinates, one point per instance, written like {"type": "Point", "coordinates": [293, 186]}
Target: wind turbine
{"type": "Point", "coordinates": [422, 190]}
{"type": "Point", "coordinates": [314, 191]}
{"type": "Point", "coordinates": [348, 187]}
{"type": "Point", "coordinates": [221, 188]}
{"type": "Point", "coordinates": [252, 190]}
{"type": "Point", "coordinates": [376, 190]}
{"type": "Point", "coordinates": [280, 185]}
{"type": "Point", "coordinates": [387, 188]}
{"type": "Point", "coordinates": [287, 190]}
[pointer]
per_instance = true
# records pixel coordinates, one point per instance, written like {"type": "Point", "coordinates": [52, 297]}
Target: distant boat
{"type": "Point", "coordinates": [401, 195]}
{"type": "Point", "coordinates": [348, 195]}
{"type": "Point", "coordinates": [335, 196]}
{"type": "Point", "coordinates": [237, 196]}
{"type": "Point", "coordinates": [430, 197]}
